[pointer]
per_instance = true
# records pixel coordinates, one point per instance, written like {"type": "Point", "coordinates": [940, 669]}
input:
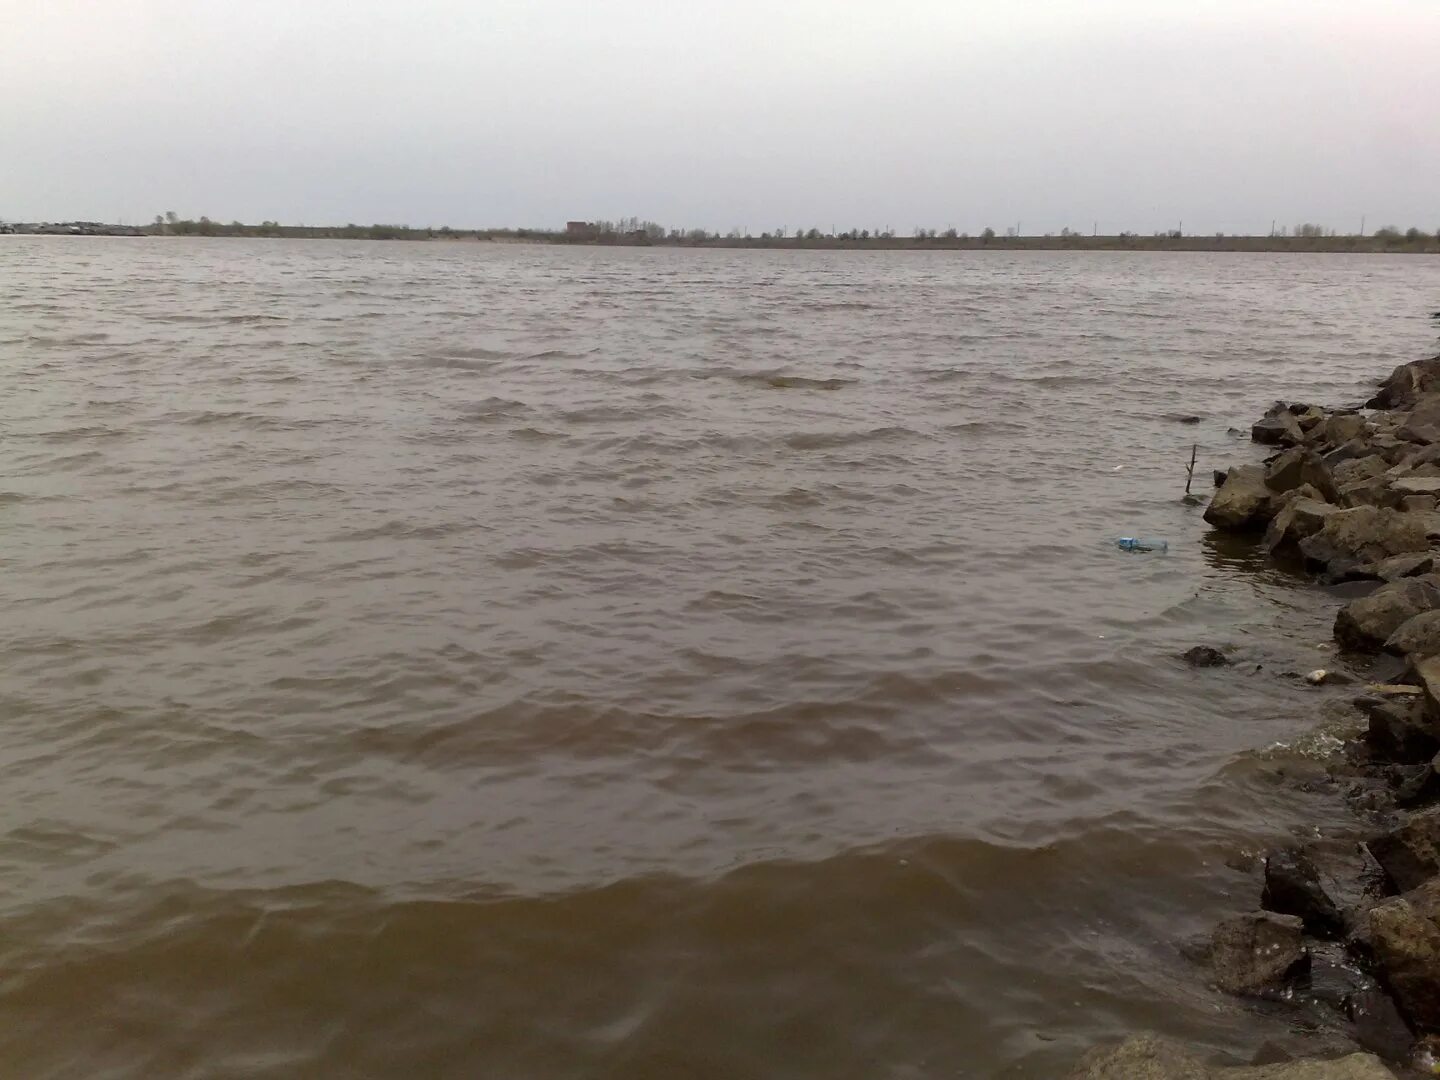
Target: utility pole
{"type": "Point", "coordinates": [1362, 224]}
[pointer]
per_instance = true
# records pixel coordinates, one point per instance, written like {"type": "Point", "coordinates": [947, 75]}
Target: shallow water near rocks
{"type": "Point", "coordinates": [474, 660]}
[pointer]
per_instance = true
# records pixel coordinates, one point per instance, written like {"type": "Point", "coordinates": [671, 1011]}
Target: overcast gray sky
{"type": "Point", "coordinates": [718, 113]}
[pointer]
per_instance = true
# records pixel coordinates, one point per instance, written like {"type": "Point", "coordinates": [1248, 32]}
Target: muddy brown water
{"type": "Point", "coordinates": [459, 660]}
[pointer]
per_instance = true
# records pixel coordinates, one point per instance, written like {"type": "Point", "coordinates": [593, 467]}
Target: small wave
{"type": "Point", "coordinates": [828, 440]}
{"type": "Point", "coordinates": [777, 381]}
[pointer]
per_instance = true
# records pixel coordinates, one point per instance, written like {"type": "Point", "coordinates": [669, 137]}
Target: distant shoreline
{"type": "Point", "coordinates": [1411, 243]}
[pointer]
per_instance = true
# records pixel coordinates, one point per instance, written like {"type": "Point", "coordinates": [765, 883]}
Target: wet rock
{"type": "Point", "coordinates": [1279, 430]}
{"type": "Point", "coordinates": [1243, 501]}
{"type": "Point", "coordinates": [1204, 656]}
{"type": "Point", "coordinates": [1364, 625]}
{"type": "Point", "coordinates": [1325, 677]}
{"type": "Point", "coordinates": [1417, 785]}
{"type": "Point", "coordinates": [1148, 1058]}
{"type": "Point", "coordinates": [1219, 476]}
{"type": "Point", "coordinates": [1418, 636]}
{"type": "Point", "coordinates": [1405, 934]}
{"type": "Point", "coordinates": [1292, 887]}
{"type": "Point", "coordinates": [1298, 466]}
{"type": "Point", "coordinates": [1254, 954]}
{"type": "Point", "coordinates": [1406, 384]}
{"type": "Point", "coordinates": [1363, 535]}
{"type": "Point", "coordinates": [1379, 1027]}
{"type": "Point", "coordinates": [1410, 855]}
{"type": "Point", "coordinates": [1398, 731]}
{"type": "Point", "coordinates": [1300, 516]}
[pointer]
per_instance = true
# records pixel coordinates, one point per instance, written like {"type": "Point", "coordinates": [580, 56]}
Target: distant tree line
{"type": "Point", "coordinates": [635, 230]}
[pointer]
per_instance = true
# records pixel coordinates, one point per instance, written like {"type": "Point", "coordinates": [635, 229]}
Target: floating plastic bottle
{"type": "Point", "coordinates": [1141, 543]}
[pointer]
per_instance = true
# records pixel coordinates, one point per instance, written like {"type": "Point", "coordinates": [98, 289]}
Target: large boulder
{"type": "Point", "coordinates": [1243, 501]}
{"type": "Point", "coordinates": [1372, 491]}
{"type": "Point", "coordinates": [1398, 731]}
{"type": "Point", "coordinates": [1407, 383]}
{"type": "Point", "coordinates": [1364, 625]}
{"type": "Point", "coordinates": [1292, 887]}
{"type": "Point", "coordinates": [1422, 425]}
{"type": "Point", "coordinates": [1405, 936]}
{"type": "Point", "coordinates": [1418, 636]}
{"type": "Point", "coordinates": [1148, 1058]}
{"type": "Point", "coordinates": [1340, 429]}
{"type": "Point", "coordinates": [1302, 513]}
{"type": "Point", "coordinates": [1298, 466]}
{"type": "Point", "coordinates": [1282, 429]}
{"type": "Point", "coordinates": [1416, 485]}
{"type": "Point", "coordinates": [1256, 953]}
{"type": "Point", "coordinates": [1353, 470]}
{"type": "Point", "coordinates": [1410, 855]}
{"type": "Point", "coordinates": [1365, 534]}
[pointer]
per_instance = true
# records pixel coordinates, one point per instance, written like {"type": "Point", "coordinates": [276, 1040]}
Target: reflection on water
{"type": "Point", "coordinates": [459, 660]}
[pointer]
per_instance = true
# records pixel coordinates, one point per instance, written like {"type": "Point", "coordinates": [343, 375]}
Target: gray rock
{"type": "Point", "coordinates": [1204, 656]}
{"type": "Point", "coordinates": [1418, 503]}
{"type": "Point", "coordinates": [1355, 448]}
{"type": "Point", "coordinates": [1418, 636]}
{"type": "Point", "coordinates": [1365, 534]}
{"type": "Point", "coordinates": [1379, 1027]}
{"type": "Point", "coordinates": [1398, 731]}
{"type": "Point", "coordinates": [1405, 934]}
{"type": "Point", "coordinates": [1422, 425]}
{"type": "Point", "coordinates": [1406, 384]}
{"type": "Point", "coordinates": [1243, 501]}
{"type": "Point", "coordinates": [1254, 954]}
{"type": "Point", "coordinates": [1364, 625]}
{"type": "Point", "coordinates": [1292, 887]}
{"type": "Point", "coordinates": [1410, 855]}
{"type": "Point", "coordinates": [1281, 430]}
{"type": "Point", "coordinates": [1148, 1058]}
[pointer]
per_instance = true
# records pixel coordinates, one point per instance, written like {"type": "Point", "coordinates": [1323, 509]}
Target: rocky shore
{"type": "Point", "coordinates": [1352, 925]}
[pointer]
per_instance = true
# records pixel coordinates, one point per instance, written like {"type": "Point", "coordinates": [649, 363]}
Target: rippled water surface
{"type": "Point", "coordinates": [468, 660]}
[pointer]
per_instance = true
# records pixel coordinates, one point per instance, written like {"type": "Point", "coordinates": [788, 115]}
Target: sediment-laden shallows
{"type": "Point", "coordinates": [1349, 496]}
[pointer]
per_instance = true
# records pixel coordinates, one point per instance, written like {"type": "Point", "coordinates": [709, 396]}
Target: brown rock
{"type": "Point", "coordinates": [1243, 501]}
{"type": "Point", "coordinates": [1298, 466]}
{"type": "Point", "coordinates": [1300, 516]}
{"type": "Point", "coordinates": [1280, 429]}
{"type": "Point", "coordinates": [1353, 470]}
{"type": "Point", "coordinates": [1340, 429]}
{"type": "Point", "coordinates": [1364, 625]}
{"type": "Point", "coordinates": [1406, 384]}
{"type": "Point", "coordinates": [1148, 1058]}
{"type": "Point", "coordinates": [1405, 934]}
{"type": "Point", "coordinates": [1254, 954]}
{"type": "Point", "coordinates": [1365, 534]}
{"type": "Point", "coordinates": [1418, 636]}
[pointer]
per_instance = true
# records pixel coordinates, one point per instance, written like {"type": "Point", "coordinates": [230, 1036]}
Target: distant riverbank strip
{"type": "Point", "coordinates": [586, 234]}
